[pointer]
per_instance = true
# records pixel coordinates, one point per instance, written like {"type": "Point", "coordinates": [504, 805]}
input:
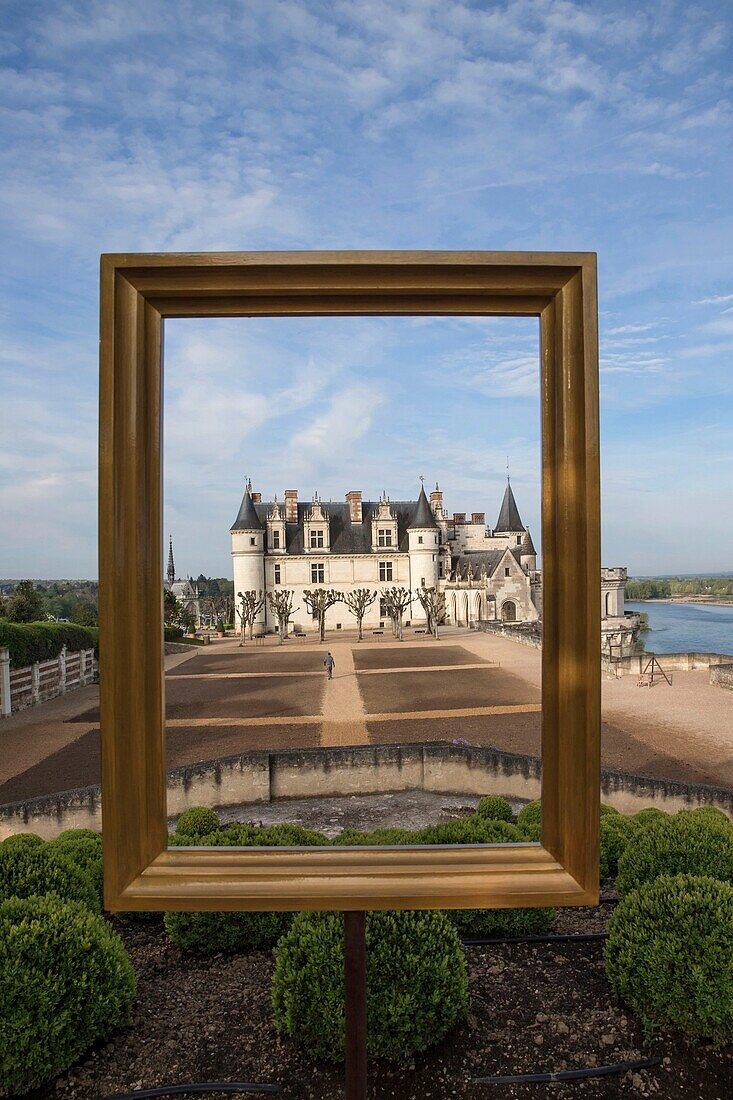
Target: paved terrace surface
{"type": "Point", "coordinates": [485, 689]}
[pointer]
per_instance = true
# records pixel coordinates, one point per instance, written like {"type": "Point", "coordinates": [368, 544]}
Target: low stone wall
{"type": "Point", "coordinates": [722, 675]}
{"type": "Point", "coordinates": [523, 635]}
{"type": "Point", "coordinates": [441, 767]}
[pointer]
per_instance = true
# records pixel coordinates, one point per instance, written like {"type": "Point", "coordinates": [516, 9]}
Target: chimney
{"type": "Point", "coordinates": [256, 498]}
{"type": "Point", "coordinates": [353, 499]}
{"type": "Point", "coordinates": [291, 505]}
{"type": "Point", "coordinates": [459, 517]}
{"type": "Point", "coordinates": [479, 517]}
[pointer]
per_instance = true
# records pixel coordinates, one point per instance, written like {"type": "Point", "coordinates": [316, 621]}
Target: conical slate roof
{"type": "Point", "coordinates": [423, 514]}
{"type": "Point", "coordinates": [527, 546]}
{"type": "Point", "coordinates": [247, 518]}
{"type": "Point", "coordinates": [509, 518]}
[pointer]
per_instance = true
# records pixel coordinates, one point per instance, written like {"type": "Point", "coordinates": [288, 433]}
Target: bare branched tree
{"type": "Point", "coordinates": [281, 602]}
{"type": "Point", "coordinates": [433, 604]}
{"type": "Point", "coordinates": [250, 605]}
{"type": "Point", "coordinates": [318, 602]}
{"type": "Point", "coordinates": [396, 600]}
{"type": "Point", "coordinates": [358, 602]}
{"type": "Point", "coordinates": [223, 608]}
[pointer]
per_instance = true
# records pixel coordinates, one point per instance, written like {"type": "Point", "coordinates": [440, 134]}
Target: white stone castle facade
{"type": "Point", "coordinates": [485, 574]}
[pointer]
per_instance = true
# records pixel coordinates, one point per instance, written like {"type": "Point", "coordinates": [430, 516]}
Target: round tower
{"type": "Point", "coordinates": [248, 556]}
{"type": "Point", "coordinates": [423, 535]}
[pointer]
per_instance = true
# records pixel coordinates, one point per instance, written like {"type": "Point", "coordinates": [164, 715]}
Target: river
{"type": "Point", "coordinates": [686, 627]}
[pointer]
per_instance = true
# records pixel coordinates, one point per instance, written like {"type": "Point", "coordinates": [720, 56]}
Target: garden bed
{"type": "Point", "coordinates": [534, 1007]}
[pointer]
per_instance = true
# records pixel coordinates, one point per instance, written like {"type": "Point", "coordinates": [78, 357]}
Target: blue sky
{"type": "Point", "coordinates": [535, 124]}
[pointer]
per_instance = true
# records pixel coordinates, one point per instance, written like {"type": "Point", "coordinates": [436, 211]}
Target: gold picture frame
{"type": "Point", "coordinates": [138, 291]}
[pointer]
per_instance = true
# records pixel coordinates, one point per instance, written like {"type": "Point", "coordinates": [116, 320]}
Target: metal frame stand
{"type": "Point", "coordinates": [355, 1006]}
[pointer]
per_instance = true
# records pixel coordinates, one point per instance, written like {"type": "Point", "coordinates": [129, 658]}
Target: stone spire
{"type": "Point", "coordinates": [171, 565]}
{"type": "Point", "coordinates": [509, 519]}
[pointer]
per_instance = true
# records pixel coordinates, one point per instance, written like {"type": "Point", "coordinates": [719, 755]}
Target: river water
{"type": "Point", "coordinates": [686, 627]}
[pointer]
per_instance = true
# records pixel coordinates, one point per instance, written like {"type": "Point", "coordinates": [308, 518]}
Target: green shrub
{"type": "Point", "coordinates": [470, 830]}
{"type": "Point", "coordinates": [65, 983]}
{"type": "Point", "coordinates": [609, 811]}
{"type": "Point", "coordinates": [649, 816]}
{"type": "Point", "coordinates": [198, 821]}
{"type": "Point", "coordinates": [21, 840]}
{"type": "Point", "coordinates": [417, 984]}
{"type": "Point", "coordinates": [31, 642]}
{"type": "Point", "coordinates": [85, 852]}
{"type": "Point", "coordinates": [172, 633]}
{"type": "Point", "coordinates": [495, 808]}
{"type": "Point", "coordinates": [707, 813]}
{"type": "Point", "coordinates": [502, 922]}
{"type": "Point", "coordinates": [211, 933]}
{"type": "Point", "coordinates": [669, 955]}
{"type": "Point", "coordinates": [683, 844]}
{"type": "Point", "coordinates": [387, 836]}
{"type": "Point", "coordinates": [529, 819]}
{"type": "Point", "coordinates": [253, 836]}
{"type": "Point", "coordinates": [616, 832]}
{"type": "Point", "coordinates": [42, 869]}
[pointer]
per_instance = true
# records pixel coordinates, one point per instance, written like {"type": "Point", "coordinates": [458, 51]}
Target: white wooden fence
{"type": "Point", "coordinates": [26, 687]}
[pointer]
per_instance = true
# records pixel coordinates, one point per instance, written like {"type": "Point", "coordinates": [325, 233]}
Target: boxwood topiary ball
{"type": "Point", "coordinates": [494, 807]}
{"type": "Point", "coordinates": [616, 833]}
{"type": "Point", "coordinates": [21, 840]}
{"type": "Point", "coordinates": [85, 852]}
{"type": "Point", "coordinates": [669, 955]}
{"type": "Point", "coordinates": [65, 983]}
{"type": "Point", "coordinates": [44, 869]}
{"type": "Point", "coordinates": [417, 983]}
{"type": "Point", "coordinates": [682, 844]}
{"type": "Point", "coordinates": [198, 821]}
{"type": "Point", "coordinates": [529, 819]}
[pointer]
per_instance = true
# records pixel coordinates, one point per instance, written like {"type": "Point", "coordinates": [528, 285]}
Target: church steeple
{"type": "Point", "coordinates": [171, 566]}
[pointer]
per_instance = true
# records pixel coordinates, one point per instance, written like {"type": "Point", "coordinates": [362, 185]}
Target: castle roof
{"type": "Point", "coordinates": [345, 537]}
{"type": "Point", "coordinates": [489, 559]}
{"type": "Point", "coordinates": [509, 518]}
{"type": "Point", "coordinates": [423, 517]}
{"type": "Point", "coordinates": [527, 546]}
{"type": "Point", "coordinates": [247, 517]}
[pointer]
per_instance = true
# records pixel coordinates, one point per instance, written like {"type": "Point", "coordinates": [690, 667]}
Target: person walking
{"type": "Point", "coordinates": [330, 665]}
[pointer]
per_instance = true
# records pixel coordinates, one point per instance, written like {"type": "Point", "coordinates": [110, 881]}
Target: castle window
{"type": "Point", "coordinates": [317, 573]}
{"type": "Point", "coordinates": [385, 570]}
{"type": "Point", "coordinates": [506, 570]}
{"type": "Point", "coordinates": [419, 539]}
{"type": "Point", "coordinates": [277, 574]}
{"type": "Point", "coordinates": [384, 537]}
{"type": "Point", "coordinates": [519, 540]}
{"type": "Point", "coordinates": [252, 541]}
{"type": "Point", "coordinates": [275, 540]}
{"type": "Point", "coordinates": [317, 540]}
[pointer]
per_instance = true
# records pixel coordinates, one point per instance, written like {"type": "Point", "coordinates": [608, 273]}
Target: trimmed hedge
{"type": "Point", "coordinates": [495, 808]}
{"type": "Point", "coordinates": [29, 869]}
{"type": "Point", "coordinates": [31, 642]}
{"type": "Point", "coordinates": [198, 821]}
{"type": "Point", "coordinates": [211, 933]}
{"type": "Point", "coordinates": [616, 833]}
{"type": "Point", "coordinates": [252, 836]}
{"type": "Point", "coordinates": [502, 922]}
{"type": "Point", "coordinates": [417, 983]}
{"type": "Point", "coordinates": [21, 840]}
{"type": "Point", "coordinates": [172, 633]}
{"type": "Point", "coordinates": [529, 819]}
{"type": "Point", "coordinates": [669, 955]}
{"type": "Point", "coordinates": [65, 983]}
{"type": "Point", "coordinates": [685, 843]}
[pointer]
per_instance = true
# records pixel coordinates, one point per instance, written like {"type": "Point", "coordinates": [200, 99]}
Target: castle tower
{"type": "Point", "coordinates": [509, 521]}
{"type": "Point", "coordinates": [423, 536]}
{"type": "Point", "coordinates": [248, 554]}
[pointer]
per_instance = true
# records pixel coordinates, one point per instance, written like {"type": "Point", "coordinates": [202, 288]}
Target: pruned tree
{"type": "Point", "coordinates": [433, 604]}
{"type": "Point", "coordinates": [396, 600]}
{"type": "Point", "coordinates": [250, 605]}
{"type": "Point", "coordinates": [358, 602]}
{"type": "Point", "coordinates": [281, 602]}
{"type": "Point", "coordinates": [223, 608]}
{"type": "Point", "coordinates": [318, 602]}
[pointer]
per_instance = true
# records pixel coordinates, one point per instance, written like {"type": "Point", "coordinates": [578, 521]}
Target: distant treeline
{"type": "Point", "coordinates": [663, 587]}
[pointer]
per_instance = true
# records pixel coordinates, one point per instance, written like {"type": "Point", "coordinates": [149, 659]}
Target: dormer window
{"type": "Point", "coordinates": [275, 540]}
{"type": "Point", "coordinates": [385, 536]}
{"type": "Point", "coordinates": [316, 540]}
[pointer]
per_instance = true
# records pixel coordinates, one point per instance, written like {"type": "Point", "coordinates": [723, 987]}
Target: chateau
{"type": "Point", "coordinates": [485, 574]}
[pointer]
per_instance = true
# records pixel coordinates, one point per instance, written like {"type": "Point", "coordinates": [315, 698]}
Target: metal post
{"type": "Point", "coordinates": [355, 1006]}
{"type": "Point", "coordinates": [5, 704]}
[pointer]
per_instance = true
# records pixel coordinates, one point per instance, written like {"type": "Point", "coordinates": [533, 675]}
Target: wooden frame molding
{"type": "Point", "coordinates": [137, 293]}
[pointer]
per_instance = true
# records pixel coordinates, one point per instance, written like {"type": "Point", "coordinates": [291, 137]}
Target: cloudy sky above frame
{"type": "Point", "coordinates": [533, 124]}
